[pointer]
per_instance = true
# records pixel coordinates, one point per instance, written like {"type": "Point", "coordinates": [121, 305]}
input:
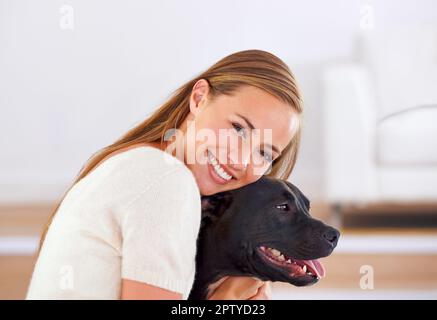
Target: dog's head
{"type": "Point", "coordinates": [265, 230]}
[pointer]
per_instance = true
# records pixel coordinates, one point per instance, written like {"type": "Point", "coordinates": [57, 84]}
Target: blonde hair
{"type": "Point", "coordinates": [249, 67]}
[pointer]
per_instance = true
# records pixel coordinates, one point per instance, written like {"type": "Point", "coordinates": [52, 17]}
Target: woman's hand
{"type": "Point", "coordinates": [242, 288]}
{"type": "Point", "coordinates": [264, 292]}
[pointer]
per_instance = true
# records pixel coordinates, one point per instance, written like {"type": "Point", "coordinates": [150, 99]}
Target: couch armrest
{"type": "Point", "coordinates": [349, 129]}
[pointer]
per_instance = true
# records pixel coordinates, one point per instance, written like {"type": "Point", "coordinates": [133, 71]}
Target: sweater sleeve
{"type": "Point", "coordinates": [159, 232]}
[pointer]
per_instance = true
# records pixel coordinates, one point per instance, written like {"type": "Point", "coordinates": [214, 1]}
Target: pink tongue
{"type": "Point", "coordinates": [317, 266]}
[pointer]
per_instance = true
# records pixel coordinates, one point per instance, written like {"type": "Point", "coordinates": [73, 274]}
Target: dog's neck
{"type": "Point", "coordinates": [212, 267]}
{"type": "Point", "coordinates": [213, 264]}
{"type": "Point", "coordinates": [207, 279]}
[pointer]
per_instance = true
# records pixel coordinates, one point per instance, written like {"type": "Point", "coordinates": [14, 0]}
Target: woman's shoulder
{"type": "Point", "coordinates": [147, 177]}
{"type": "Point", "coordinates": [150, 158]}
{"type": "Point", "coordinates": [144, 165]}
{"type": "Point", "coordinates": [136, 176]}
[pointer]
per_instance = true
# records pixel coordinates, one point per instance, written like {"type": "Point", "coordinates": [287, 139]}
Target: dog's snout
{"type": "Point", "coordinates": [331, 235]}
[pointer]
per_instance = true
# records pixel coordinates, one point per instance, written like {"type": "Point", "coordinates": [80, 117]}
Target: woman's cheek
{"type": "Point", "coordinates": [259, 166]}
{"type": "Point", "coordinates": [254, 173]}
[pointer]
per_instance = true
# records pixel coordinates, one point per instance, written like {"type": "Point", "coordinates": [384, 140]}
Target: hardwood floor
{"type": "Point", "coordinates": [401, 272]}
{"type": "Point", "coordinates": [15, 274]}
{"type": "Point", "coordinates": [23, 219]}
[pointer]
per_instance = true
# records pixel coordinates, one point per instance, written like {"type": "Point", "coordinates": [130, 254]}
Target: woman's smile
{"type": "Point", "coordinates": [236, 134]}
{"type": "Point", "coordinates": [218, 173]}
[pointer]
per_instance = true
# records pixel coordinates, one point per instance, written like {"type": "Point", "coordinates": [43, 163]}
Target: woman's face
{"type": "Point", "coordinates": [228, 151]}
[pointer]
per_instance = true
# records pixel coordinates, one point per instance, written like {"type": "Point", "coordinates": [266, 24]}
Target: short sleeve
{"type": "Point", "coordinates": [159, 232]}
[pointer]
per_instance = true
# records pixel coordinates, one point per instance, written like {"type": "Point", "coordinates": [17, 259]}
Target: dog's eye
{"type": "Point", "coordinates": [283, 207]}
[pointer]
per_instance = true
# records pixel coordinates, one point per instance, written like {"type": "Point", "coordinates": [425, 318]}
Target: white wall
{"type": "Point", "coordinates": [66, 93]}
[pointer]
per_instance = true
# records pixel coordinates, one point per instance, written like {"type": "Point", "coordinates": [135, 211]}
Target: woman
{"type": "Point", "coordinates": [127, 227]}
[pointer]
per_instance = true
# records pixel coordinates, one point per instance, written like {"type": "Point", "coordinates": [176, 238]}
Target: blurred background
{"type": "Point", "coordinates": [75, 75]}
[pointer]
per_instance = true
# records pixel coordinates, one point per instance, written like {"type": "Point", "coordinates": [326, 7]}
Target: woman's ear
{"type": "Point", "coordinates": [215, 205]}
{"type": "Point", "coordinates": [198, 95]}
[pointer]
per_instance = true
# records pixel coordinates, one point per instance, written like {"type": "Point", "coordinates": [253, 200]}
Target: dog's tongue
{"type": "Point", "coordinates": [317, 267]}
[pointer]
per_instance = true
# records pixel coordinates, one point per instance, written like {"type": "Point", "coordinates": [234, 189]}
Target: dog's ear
{"type": "Point", "coordinates": [296, 190]}
{"type": "Point", "coordinates": [215, 205]}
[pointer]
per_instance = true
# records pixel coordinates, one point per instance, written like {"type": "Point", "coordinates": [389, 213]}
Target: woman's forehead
{"type": "Point", "coordinates": [256, 98]}
{"type": "Point", "coordinates": [265, 112]}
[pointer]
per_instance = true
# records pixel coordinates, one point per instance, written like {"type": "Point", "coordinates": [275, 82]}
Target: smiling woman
{"type": "Point", "coordinates": [259, 127]}
{"type": "Point", "coordinates": [128, 225]}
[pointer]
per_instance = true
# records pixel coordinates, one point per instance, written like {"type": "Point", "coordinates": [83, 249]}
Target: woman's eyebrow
{"type": "Point", "coordinates": [250, 125]}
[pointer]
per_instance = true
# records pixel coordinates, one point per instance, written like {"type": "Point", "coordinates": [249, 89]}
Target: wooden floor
{"type": "Point", "coordinates": [404, 272]}
{"type": "Point", "coordinates": [15, 273]}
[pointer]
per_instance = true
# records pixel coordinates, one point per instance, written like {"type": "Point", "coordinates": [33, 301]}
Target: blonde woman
{"type": "Point", "coordinates": [127, 227]}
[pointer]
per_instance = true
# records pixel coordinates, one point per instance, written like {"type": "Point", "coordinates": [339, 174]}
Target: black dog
{"type": "Point", "coordinates": [262, 230]}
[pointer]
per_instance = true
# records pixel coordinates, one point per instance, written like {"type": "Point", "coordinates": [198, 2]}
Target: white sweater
{"type": "Point", "coordinates": [136, 216]}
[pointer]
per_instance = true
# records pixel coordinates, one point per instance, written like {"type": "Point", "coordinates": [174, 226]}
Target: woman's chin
{"type": "Point", "coordinates": [207, 184]}
{"type": "Point", "coordinates": [204, 183]}
{"type": "Point", "coordinates": [208, 188]}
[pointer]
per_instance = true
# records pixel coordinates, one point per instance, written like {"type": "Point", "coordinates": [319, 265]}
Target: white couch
{"type": "Point", "coordinates": [380, 120]}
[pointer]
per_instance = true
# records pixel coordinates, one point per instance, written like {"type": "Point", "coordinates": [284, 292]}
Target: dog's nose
{"type": "Point", "coordinates": [331, 235]}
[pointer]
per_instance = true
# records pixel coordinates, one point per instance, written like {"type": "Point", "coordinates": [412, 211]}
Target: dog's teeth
{"type": "Point", "coordinates": [309, 273]}
{"type": "Point", "coordinates": [304, 268]}
{"type": "Point", "coordinates": [276, 252]}
{"type": "Point", "coordinates": [288, 261]}
{"type": "Point", "coordinates": [263, 248]}
{"type": "Point", "coordinates": [281, 258]}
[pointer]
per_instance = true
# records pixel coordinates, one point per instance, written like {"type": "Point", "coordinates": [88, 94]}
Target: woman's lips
{"type": "Point", "coordinates": [214, 176]}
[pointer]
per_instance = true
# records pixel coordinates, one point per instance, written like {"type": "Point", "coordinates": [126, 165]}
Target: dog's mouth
{"type": "Point", "coordinates": [295, 268]}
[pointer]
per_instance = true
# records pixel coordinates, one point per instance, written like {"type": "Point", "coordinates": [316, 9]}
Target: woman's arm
{"type": "Point", "coordinates": [134, 290]}
{"type": "Point", "coordinates": [239, 288]}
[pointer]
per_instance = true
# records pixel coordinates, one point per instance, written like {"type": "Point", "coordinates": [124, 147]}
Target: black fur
{"type": "Point", "coordinates": [235, 223]}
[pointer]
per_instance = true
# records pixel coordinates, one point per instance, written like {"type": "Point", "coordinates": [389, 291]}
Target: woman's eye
{"type": "Point", "coordinates": [268, 157]}
{"type": "Point", "coordinates": [239, 129]}
{"type": "Point", "coordinates": [283, 207]}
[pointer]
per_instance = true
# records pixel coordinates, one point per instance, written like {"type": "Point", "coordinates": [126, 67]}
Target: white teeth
{"type": "Point", "coordinates": [275, 252]}
{"type": "Point", "coordinates": [222, 172]}
{"type": "Point", "coordinates": [288, 261]}
{"type": "Point", "coordinates": [211, 158]}
{"type": "Point", "coordinates": [304, 268]}
{"type": "Point", "coordinates": [217, 168]}
{"type": "Point", "coordinates": [281, 258]}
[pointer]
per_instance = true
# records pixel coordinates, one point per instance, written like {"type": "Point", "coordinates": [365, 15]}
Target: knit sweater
{"type": "Point", "coordinates": [136, 216]}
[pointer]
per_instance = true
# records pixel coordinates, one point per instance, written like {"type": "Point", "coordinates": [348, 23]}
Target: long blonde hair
{"type": "Point", "coordinates": [249, 67]}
